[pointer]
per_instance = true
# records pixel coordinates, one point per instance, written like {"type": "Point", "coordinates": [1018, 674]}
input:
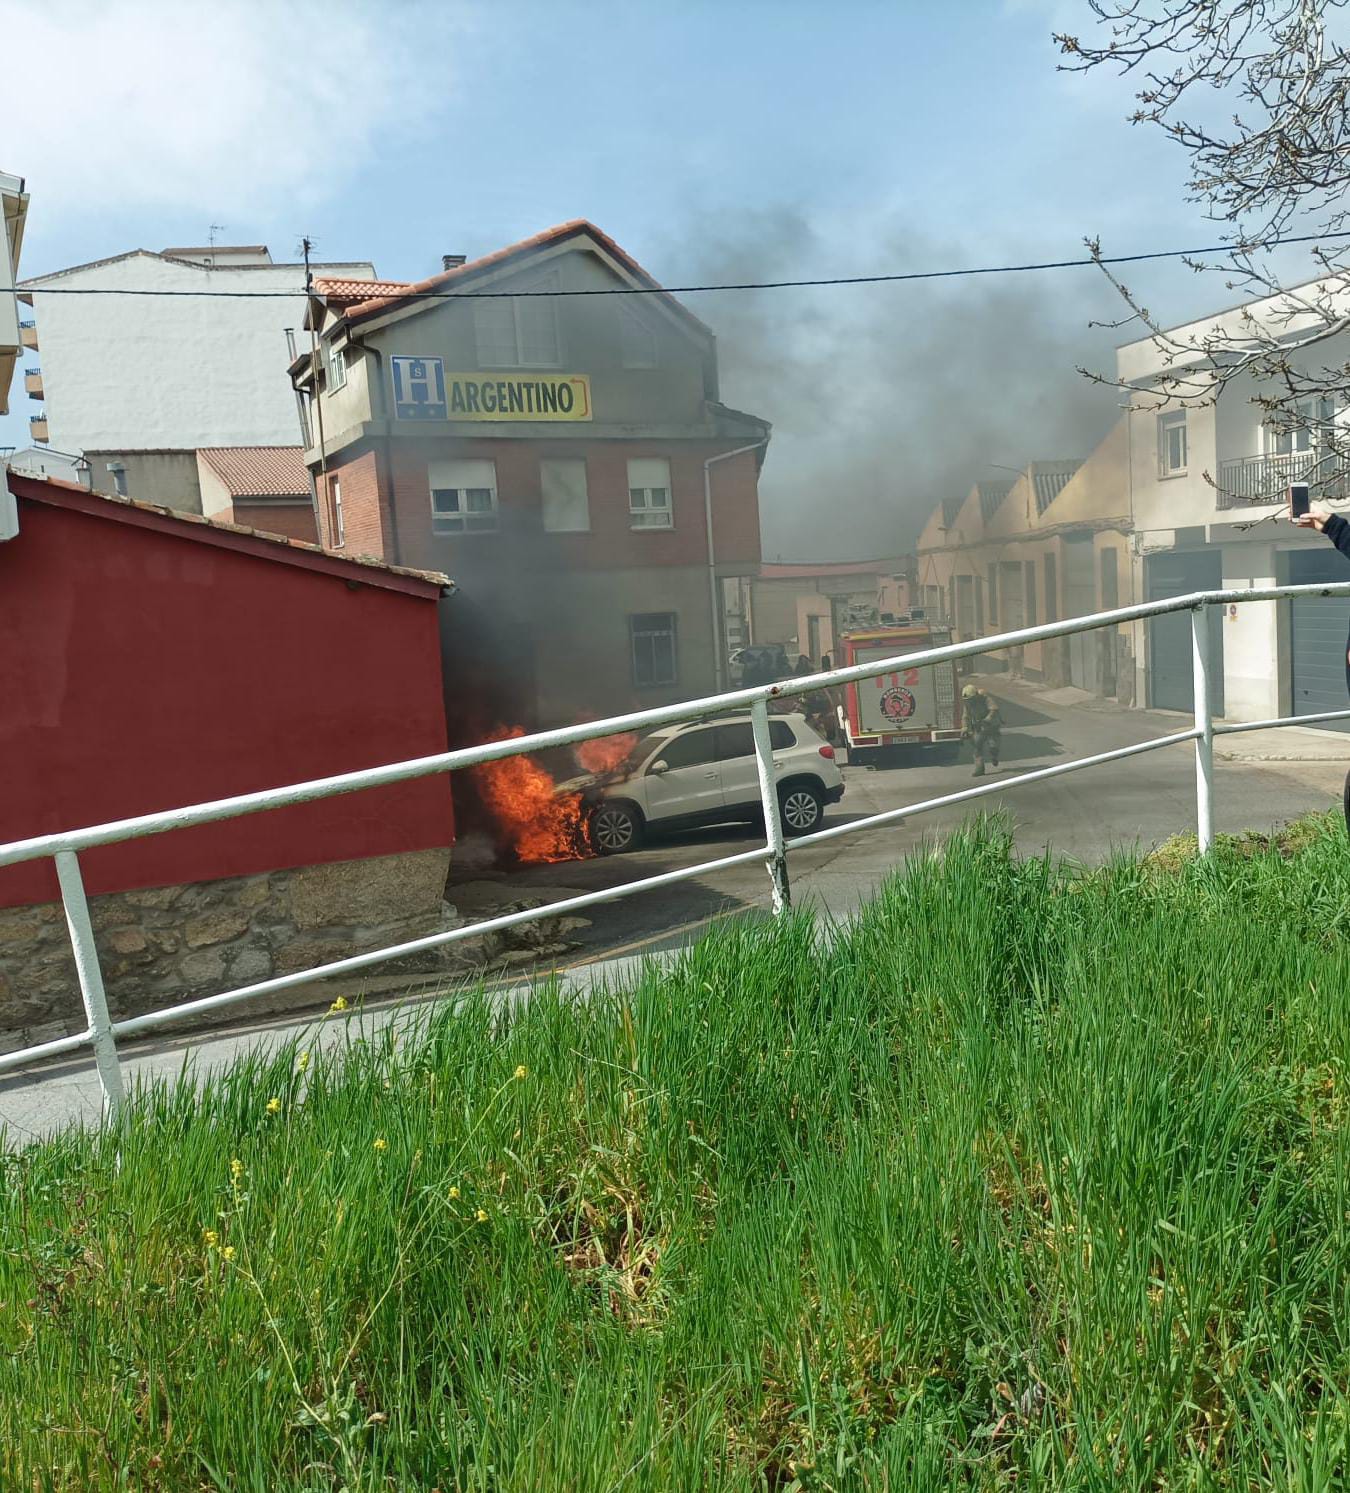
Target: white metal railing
{"type": "Point", "coordinates": [101, 1032]}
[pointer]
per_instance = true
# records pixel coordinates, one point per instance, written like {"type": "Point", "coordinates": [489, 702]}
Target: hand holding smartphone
{"type": "Point", "coordinates": [1300, 500]}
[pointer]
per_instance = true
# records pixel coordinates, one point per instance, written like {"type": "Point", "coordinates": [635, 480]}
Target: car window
{"type": "Point", "coordinates": [735, 741]}
{"type": "Point", "coordinates": [689, 750]}
{"type": "Point", "coordinates": [780, 735]}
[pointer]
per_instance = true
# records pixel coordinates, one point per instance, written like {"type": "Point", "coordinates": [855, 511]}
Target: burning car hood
{"type": "Point", "coordinates": [589, 782]}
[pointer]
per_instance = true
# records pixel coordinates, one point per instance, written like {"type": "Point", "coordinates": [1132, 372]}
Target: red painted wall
{"type": "Point", "coordinates": [144, 668]}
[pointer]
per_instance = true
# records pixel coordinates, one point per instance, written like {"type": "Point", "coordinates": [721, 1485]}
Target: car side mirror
{"type": "Point", "coordinates": [659, 766]}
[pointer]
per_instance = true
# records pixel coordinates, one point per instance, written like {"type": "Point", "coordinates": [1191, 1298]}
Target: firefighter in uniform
{"type": "Point", "coordinates": [983, 724]}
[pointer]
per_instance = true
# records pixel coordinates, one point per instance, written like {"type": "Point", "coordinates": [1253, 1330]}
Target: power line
{"type": "Point", "coordinates": [891, 279]}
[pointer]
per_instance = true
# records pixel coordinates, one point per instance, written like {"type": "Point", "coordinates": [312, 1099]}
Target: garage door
{"type": "Point", "coordinates": [1317, 631]}
{"type": "Point", "coordinates": [1080, 598]}
{"type": "Point", "coordinates": [1170, 671]}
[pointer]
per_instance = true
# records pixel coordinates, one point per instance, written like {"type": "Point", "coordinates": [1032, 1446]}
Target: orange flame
{"type": "Point", "coordinates": [532, 821]}
{"type": "Point", "coordinates": [605, 753]}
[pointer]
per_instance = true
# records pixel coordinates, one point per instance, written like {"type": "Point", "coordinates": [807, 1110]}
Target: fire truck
{"type": "Point", "coordinates": [891, 717]}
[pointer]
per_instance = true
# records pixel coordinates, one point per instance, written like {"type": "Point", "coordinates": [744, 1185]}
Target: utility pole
{"type": "Point", "coordinates": [306, 246]}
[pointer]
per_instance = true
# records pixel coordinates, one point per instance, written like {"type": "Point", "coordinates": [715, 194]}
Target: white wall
{"type": "Point", "coordinates": [170, 373]}
{"type": "Point", "coordinates": [1251, 637]}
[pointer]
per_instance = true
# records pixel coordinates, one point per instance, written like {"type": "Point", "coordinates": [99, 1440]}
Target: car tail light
{"type": "Point", "coordinates": [826, 751]}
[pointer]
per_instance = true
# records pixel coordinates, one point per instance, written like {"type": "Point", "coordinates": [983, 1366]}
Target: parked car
{"type": "Point", "coordinates": [704, 773]}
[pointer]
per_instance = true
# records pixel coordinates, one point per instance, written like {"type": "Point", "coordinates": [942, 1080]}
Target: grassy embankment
{"type": "Point", "coordinates": [1026, 1177]}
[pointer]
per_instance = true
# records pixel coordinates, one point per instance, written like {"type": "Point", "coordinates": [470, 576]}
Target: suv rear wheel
{"type": "Point", "coordinates": [614, 828]}
{"type": "Point", "coordinates": [802, 807]}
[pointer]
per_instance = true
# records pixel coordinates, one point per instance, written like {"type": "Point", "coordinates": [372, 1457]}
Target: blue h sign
{"type": "Point", "coordinates": [419, 388]}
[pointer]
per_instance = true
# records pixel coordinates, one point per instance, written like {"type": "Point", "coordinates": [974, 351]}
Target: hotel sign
{"type": "Point", "coordinates": [424, 391]}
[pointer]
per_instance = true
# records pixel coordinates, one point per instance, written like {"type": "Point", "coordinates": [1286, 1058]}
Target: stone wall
{"type": "Point", "coordinates": [163, 945]}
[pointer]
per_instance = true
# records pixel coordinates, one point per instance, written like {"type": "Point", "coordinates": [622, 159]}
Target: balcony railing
{"type": "Point", "coordinates": [1263, 479]}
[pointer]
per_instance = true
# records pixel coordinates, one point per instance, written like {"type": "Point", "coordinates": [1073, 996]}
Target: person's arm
{"type": "Point", "coordinates": [1333, 525]}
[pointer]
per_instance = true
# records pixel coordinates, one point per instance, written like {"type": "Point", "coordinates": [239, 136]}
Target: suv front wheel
{"type": "Point", "coordinates": [802, 807]}
{"type": "Point", "coordinates": [614, 828]}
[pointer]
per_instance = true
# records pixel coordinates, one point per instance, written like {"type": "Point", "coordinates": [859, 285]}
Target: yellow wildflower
{"type": "Point", "coordinates": [302, 1062]}
{"type": "Point", "coordinates": [481, 1216]}
{"type": "Point", "coordinates": [228, 1252]}
{"type": "Point", "coordinates": [521, 1071]}
{"type": "Point", "coordinates": [381, 1144]}
{"type": "Point", "coordinates": [454, 1193]}
{"type": "Point", "coordinates": [274, 1106]}
{"type": "Point", "coordinates": [236, 1169]}
{"type": "Point", "coordinates": [340, 1004]}
{"type": "Point", "coordinates": [210, 1238]}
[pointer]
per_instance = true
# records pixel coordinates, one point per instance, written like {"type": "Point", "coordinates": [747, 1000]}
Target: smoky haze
{"type": "Point", "coordinates": [886, 399]}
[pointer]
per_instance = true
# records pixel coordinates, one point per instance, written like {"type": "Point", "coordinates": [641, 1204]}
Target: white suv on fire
{"type": "Point", "coordinates": [704, 773]}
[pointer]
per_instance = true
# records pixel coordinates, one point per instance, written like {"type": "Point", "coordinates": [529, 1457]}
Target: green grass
{"type": "Point", "coordinates": [1028, 1178]}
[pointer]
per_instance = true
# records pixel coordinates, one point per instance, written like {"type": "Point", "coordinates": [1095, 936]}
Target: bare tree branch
{"type": "Point", "coordinates": [1265, 86]}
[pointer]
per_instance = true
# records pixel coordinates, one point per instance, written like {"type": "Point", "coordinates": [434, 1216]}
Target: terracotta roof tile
{"type": "Point", "coordinates": [348, 291]}
{"type": "Point", "coordinates": [259, 471]}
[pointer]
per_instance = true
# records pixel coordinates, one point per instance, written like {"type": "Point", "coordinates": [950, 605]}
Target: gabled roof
{"type": "Point", "coordinates": [256, 542]}
{"type": "Point", "coordinates": [463, 275]}
{"type": "Point", "coordinates": [1048, 480]}
{"type": "Point", "coordinates": [950, 508]}
{"type": "Point", "coordinates": [259, 471]}
{"type": "Point", "coordinates": [348, 292]}
{"type": "Point", "coordinates": [991, 495]}
{"type": "Point", "coordinates": [192, 264]}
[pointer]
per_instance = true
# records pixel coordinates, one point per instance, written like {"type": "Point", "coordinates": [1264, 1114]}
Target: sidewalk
{"type": "Point", "coordinates": [1284, 744]}
{"type": "Point", "coordinates": [36, 1104]}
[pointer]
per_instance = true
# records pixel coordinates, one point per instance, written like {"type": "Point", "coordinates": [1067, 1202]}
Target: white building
{"type": "Point", "coordinates": [138, 383]}
{"type": "Point", "coordinates": [13, 211]}
{"type": "Point", "coordinates": [1204, 485]}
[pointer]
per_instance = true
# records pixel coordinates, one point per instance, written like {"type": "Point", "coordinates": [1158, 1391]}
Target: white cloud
{"type": "Point", "coordinates": [232, 107]}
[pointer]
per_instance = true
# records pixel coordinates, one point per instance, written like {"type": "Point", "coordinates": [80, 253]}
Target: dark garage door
{"type": "Point", "coordinates": [1317, 630]}
{"type": "Point", "coordinates": [1170, 673]}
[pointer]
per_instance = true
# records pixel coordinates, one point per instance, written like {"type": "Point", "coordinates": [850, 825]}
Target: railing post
{"type": "Point", "coordinates": [91, 980]}
{"type": "Point", "coordinates": [1204, 725]}
{"type": "Point", "coordinates": [773, 819]}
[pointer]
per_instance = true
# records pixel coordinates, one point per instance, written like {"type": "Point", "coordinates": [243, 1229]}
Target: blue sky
{"type": "Point", "coordinates": [708, 138]}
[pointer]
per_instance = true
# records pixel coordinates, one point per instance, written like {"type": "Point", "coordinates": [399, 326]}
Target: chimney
{"type": "Point", "coordinates": [452, 261]}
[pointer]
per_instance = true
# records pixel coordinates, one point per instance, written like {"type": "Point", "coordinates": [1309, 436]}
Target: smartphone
{"type": "Point", "coordinates": [1299, 499]}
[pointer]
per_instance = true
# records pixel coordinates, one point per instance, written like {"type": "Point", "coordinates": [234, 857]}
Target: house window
{"type": "Point", "coordinates": [118, 473]}
{"type": "Point", "coordinates": [562, 487]}
{"type": "Point", "coordinates": [337, 368]}
{"type": "Point", "coordinates": [518, 331]}
{"type": "Point", "coordinates": [649, 493]}
{"type": "Point", "coordinates": [339, 533]}
{"type": "Point", "coordinates": [639, 341]}
{"type": "Point", "coordinates": [463, 497]}
{"type": "Point", "coordinates": [1307, 417]}
{"type": "Point", "coordinates": [652, 635]}
{"type": "Point", "coordinates": [1172, 443]}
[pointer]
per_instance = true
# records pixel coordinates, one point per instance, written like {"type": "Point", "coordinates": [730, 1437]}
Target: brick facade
{"type": "Point", "coordinates": [364, 505]}
{"type": "Point", "coordinates": [290, 520]}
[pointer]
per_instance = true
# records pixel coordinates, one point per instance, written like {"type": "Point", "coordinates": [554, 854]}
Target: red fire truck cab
{"type": "Point", "coordinates": [897, 713]}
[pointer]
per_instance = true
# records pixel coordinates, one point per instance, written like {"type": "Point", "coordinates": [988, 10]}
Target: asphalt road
{"type": "Point", "coordinates": [1083, 815]}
